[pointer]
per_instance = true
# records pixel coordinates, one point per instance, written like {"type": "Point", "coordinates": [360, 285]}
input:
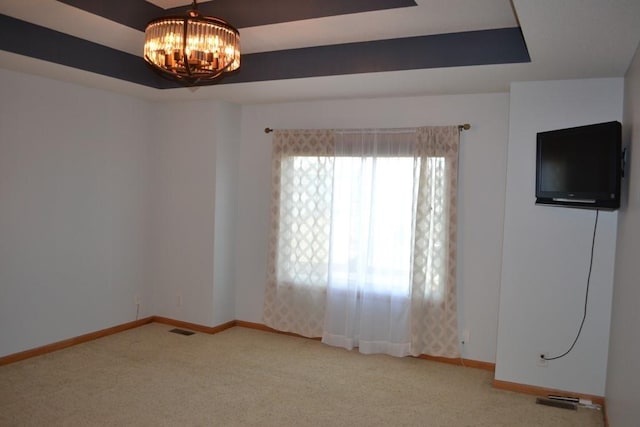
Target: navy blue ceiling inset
{"type": "Point", "coordinates": [43, 43]}
{"type": "Point", "coordinates": [499, 46]}
{"type": "Point", "coordinates": [241, 14]}
{"type": "Point", "coordinates": [496, 46]}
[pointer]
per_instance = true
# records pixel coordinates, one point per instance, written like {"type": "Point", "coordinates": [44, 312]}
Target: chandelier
{"type": "Point", "coordinates": [192, 49]}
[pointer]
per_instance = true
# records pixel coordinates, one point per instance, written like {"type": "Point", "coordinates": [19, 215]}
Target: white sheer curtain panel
{"type": "Point", "coordinates": [363, 239]}
{"type": "Point", "coordinates": [369, 282]}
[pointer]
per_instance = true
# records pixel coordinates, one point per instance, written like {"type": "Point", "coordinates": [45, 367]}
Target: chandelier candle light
{"type": "Point", "coordinates": [192, 49]}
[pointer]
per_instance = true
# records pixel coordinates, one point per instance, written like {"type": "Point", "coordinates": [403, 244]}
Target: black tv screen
{"type": "Point", "coordinates": [580, 166]}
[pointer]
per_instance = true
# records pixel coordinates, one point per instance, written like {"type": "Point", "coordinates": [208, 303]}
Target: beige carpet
{"type": "Point", "coordinates": [150, 377]}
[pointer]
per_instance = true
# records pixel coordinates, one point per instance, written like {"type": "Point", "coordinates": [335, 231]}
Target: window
{"type": "Point", "coordinates": [361, 225]}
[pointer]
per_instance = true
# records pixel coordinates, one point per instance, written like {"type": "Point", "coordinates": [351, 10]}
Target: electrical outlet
{"type": "Point", "coordinates": [136, 299]}
{"type": "Point", "coordinates": [542, 361]}
{"type": "Point", "coordinates": [465, 336]}
{"type": "Point", "coordinates": [179, 300]}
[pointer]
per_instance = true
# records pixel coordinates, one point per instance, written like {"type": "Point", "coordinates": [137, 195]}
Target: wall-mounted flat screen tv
{"type": "Point", "coordinates": [580, 166]}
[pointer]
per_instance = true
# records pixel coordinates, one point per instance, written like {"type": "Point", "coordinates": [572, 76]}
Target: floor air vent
{"type": "Point", "coordinates": [556, 403]}
{"type": "Point", "coordinates": [181, 332]}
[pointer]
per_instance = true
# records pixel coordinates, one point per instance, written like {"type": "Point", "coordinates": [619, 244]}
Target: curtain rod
{"type": "Point", "coordinates": [465, 126]}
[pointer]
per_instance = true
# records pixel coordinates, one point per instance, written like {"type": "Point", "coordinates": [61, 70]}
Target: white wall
{"type": "Point", "coordinates": [73, 205]}
{"type": "Point", "coordinates": [623, 375]}
{"type": "Point", "coordinates": [193, 171]}
{"type": "Point", "coordinates": [481, 202]}
{"type": "Point", "coordinates": [227, 142]}
{"type": "Point", "coordinates": [104, 198]}
{"type": "Point", "coordinates": [546, 249]}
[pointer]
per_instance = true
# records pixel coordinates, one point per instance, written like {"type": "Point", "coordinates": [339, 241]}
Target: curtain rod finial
{"type": "Point", "coordinates": [268, 130]}
{"type": "Point", "coordinates": [465, 126]}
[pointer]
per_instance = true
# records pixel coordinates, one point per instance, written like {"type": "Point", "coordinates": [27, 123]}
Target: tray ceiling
{"type": "Point", "coordinates": [304, 49]}
{"type": "Point", "coordinates": [490, 46]}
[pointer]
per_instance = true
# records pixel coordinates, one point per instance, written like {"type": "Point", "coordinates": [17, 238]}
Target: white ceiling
{"type": "Point", "coordinates": [567, 39]}
{"type": "Point", "coordinates": [168, 4]}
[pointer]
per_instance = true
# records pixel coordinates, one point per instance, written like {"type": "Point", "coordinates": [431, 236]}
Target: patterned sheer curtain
{"type": "Point", "coordinates": [362, 248]}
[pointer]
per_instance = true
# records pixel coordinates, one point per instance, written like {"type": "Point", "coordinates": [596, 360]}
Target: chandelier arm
{"type": "Point", "coordinates": [223, 70]}
{"type": "Point", "coordinates": [191, 79]}
{"type": "Point", "coordinates": [185, 58]}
